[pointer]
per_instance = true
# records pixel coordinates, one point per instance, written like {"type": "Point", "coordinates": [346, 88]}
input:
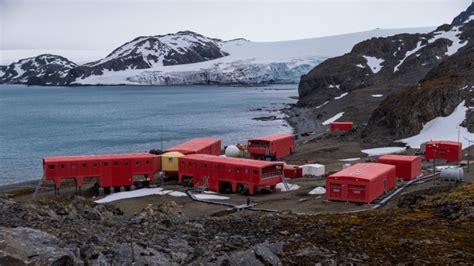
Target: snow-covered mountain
{"type": "Point", "coordinates": [190, 58]}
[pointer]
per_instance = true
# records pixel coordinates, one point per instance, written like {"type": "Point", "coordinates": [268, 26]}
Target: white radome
{"type": "Point", "coordinates": [232, 151]}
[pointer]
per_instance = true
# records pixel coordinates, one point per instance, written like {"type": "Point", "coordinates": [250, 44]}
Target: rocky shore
{"type": "Point", "coordinates": [431, 226]}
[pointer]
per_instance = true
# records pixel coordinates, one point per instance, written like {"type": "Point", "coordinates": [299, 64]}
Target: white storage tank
{"type": "Point", "coordinates": [452, 173]}
{"type": "Point", "coordinates": [233, 151]}
{"type": "Point", "coordinates": [313, 169]}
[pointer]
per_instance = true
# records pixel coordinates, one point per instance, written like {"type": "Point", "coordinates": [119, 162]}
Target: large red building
{"type": "Point", "coordinates": [198, 146]}
{"type": "Point", "coordinates": [217, 172]}
{"type": "Point", "coordinates": [362, 182]}
{"type": "Point", "coordinates": [407, 167]}
{"type": "Point", "coordinates": [271, 147]}
{"type": "Point", "coordinates": [341, 126]}
{"type": "Point", "coordinates": [112, 170]}
{"type": "Point", "coordinates": [450, 151]}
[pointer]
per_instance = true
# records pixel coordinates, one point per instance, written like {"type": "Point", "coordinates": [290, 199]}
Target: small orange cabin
{"type": "Point", "coordinates": [217, 172]}
{"type": "Point", "coordinates": [210, 146]}
{"type": "Point", "coordinates": [272, 147]}
{"type": "Point", "coordinates": [362, 182]}
{"type": "Point", "coordinates": [407, 167]}
{"type": "Point", "coordinates": [341, 126]}
{"type": "Point", "coordinates": [112, 170]}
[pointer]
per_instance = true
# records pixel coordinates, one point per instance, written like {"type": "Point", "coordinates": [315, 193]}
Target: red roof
{"type": "Point", "coordinates": [194, 145]}
{"type": "Point", "coordinates": [365, 171]}
{"type": "Point", "coordinates": [445, 142]}
{"type": "Point", "coordinates": [272, 137]}
{"type": "Point", "coordinates": [405, 158]}
{"type": "Point", "coordinates": [231, 160]}
{"type": "Point", "coordinates": [98, 157]}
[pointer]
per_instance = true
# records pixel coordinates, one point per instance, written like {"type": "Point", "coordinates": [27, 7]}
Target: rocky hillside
{"type": "Point", "coordinates": [183, 47]}
{"type": "Point", "coordinates": [404, 112]}
{"type": "Point", "coordinates": [44, 69]}
{"type": "Point", "coordinates": [431, 226]}
{"type": "Point", "coordinates": [357, 82]}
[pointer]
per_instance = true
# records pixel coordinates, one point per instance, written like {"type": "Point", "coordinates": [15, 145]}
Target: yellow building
{"type": "Point", "coordinates": [169, 162]}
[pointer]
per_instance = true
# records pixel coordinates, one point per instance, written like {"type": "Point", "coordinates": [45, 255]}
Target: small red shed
{"type": "Point", "coordinates": [362, 182]}
{"type": "Point", "coordinates": [341, 126]}
{"type": "Point", "coordinates": [292, 171]}
{"type": "Point", "coordinates": [217, 172]}
{"type": "Point", "coordinates": [272, 147]}
{"type": "Point", "coordinates": [450, 151]}
{"type": "Point", "coordinates": [407, 167]}
{"type": "Point", "coordinates": [198, 146]}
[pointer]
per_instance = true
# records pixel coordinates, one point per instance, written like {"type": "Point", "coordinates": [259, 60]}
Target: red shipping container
{"type": "Point", "coordinates": [198, 146]}
{"type": "Point", "coordinates": [450, 151]}
{"type": "Point", "coordinates": [272, 147]}
{"type": "Point", "coordinates": [112, 170]}
{"type": "Point", "coordinates": [218, 172]}
{"type": "Point", "coordinates": [341, 126]}
{"type": "Point", "coordinates": [293, 171]}
{"type": "Point", "coordinates": [407, 167]}
{"type": "Point", "coordinates": [362, 182]}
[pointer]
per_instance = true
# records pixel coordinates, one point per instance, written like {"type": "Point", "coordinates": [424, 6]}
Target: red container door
{"type": "Point", "coordinates": [106, 174]}
{"type": "Point", "coordinates": [335, 190]}
{"type": "Point", "coordinates": [126, 169]}
{"type": "Point", "coordinates": [356, 192]}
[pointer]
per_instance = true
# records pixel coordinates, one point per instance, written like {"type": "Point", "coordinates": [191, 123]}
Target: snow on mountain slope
{"type": "Point", "coordinates": [242, 61]}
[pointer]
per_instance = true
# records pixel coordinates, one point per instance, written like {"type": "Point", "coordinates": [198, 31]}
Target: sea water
{"type": "Point", "coordinates": [49, 121]}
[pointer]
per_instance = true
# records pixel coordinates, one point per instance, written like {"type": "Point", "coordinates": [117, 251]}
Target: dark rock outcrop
{"type": "Point", "coordinates": [44, 69]}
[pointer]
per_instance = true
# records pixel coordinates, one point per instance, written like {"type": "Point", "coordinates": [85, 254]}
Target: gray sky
{"type": "Point", "coordinates": [106, 24]}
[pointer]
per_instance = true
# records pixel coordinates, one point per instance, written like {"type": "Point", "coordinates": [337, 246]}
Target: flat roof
{"type": "Point", "coordinates": [75, 158]}
{"type": "Point", "coordinates": [194, 145]}
{"type": "Point", "coordinates": [405, 158]}
{"type": "Point", "coordinates": [365, 171]}
{"type": "Point", "coordinates": [272, 137]}
{"type": "Point", "coordinates": [447, 142]}
{"type": "Point", "coordinates": [232, 160]}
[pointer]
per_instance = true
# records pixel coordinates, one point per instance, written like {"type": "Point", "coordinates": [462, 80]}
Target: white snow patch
{"type": "Point", "coordinates": [332, 119]}
{"type": "Point", "coordinates": [323, 104]}
{"type": "Point", "coordinates": [133, 194]}
{"type": "Point", "coordinates": [452, 35]}
{"type": "Point", "coordinates": [349, 159]}
{"type": "Point", "coordinates": [374, 63]}
{"type": "Point", "coordinates": [210, 197]}
{"type": "Point", "coordinates": [291, 187]}
{"type": "Point", "coordinates": [360, 66]}
{"type": "Point", "coordinates": [377, 95]}
{"type": "Point", "coordinates": [418, 47]}
{"type": "Point", "coordinates": [331, 86]}
{"type": "Point", "coordinates": [341, 96]}
{"type": "Point", "coordinates": [443, 128]}
{"type": "Point", "coordinates": [177, 194]}
{"type": "Point", "coordinates": [383, 151]}
{"type": "Point", "coordinates": [317, 191]}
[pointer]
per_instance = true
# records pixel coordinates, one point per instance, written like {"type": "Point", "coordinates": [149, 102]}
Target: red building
{"type": "Point", "coordinates": [198, 146]}
{"type": "Point", "coordinates": [341, 126]}
{"type": "Point", "coordinates": [362, 182]}
{"type": "Point", "coordinates": [114, 170]}
{"type": "Point", "coordinates": [271, 147]}
{"type": "Point", "coordinates": [293, 171]}
{"type": "Point", "coordinates": [407, 167]}
{"type": "Point", "coordinates": [450, 151]}
{"type": "Point", "coordinates": [217, 172]}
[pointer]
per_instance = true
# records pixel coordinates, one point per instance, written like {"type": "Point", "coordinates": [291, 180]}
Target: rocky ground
{"type": "Point", "coordinates": [431, 226]}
